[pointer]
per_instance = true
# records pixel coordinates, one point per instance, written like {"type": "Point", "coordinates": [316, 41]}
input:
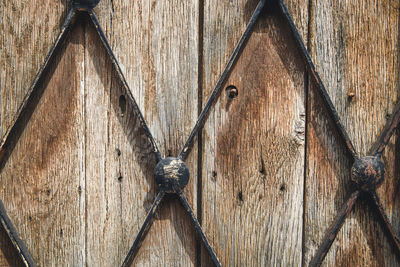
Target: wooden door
{"type": "Point", "coordinates": [269, 169]}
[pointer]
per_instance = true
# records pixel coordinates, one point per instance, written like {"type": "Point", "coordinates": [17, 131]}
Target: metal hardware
{"type": "Point", "coordinates": [228, 68]}
{"type": "Point", "coordinates": [367, 173]}
{"type": "Point", "coordinates": [172, 174]}
{"type": "Point", "coordinates": [363, 169]}
{"type": "Point", "coordinates": [12, 234]}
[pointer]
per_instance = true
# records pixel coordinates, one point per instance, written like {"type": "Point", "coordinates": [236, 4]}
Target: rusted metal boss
{"type": "Point", "coordinates": [171, 175]}
{"type": "Point", "coordinates": [368, 172]}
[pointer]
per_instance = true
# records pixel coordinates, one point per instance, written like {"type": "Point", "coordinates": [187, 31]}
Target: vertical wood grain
{"type": "Point", "coordinates": [355, 45]}
{"type": "Point", "coordinates": [254, 144]}
{"type": "Point", "coordinates": [79, 182]}
{"type": "Point", "coordinates": [156, 45]}
{"type": "Point", "coordinates": [27, 30]}
{"type": "Point", "coordinates": [43, 177]}
{"type": "Point", "coordinates": [117, 166]}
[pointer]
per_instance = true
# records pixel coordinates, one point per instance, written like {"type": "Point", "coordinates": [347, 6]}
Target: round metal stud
{"type": "Point", "coordinates": [171, 175]}
{"type": "Point", "coordinates": [368, 172]}
{"type": "Point", "coordinates": [232, 91]}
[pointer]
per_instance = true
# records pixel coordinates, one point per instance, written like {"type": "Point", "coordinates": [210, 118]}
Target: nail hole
{"type": "Point", "coordinates": [169, 153]}
{"type": "Point", "coordinates": [30, 218]}
{"type": "Point", "coordinates": [351, 95]}
{"type": "Point", "coordinates": [118, 152]}
{"type": "Point", "coordinates": [231, 91]}
{"type": "Point", "coordinates": [213, 176]}
{"type": "Point", "coordinates": [262, 169]}
{"type": "Point", "coordinates": [282, 188]}
{"type": "Point", "coordinates": [120, 178]}
{"type": "Point", "coordinates": [240, 196]}
{"type": "Point", "coordinates": [48, 192]}
{"type": "Point", "coordinates": [61, 232]}
{"type": "Point", "coordinates": [122, 104]}
{"type": "Point", "coordinates": [79, 190]}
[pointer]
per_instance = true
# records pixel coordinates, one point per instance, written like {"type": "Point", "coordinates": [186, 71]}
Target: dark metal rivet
{"type": "Point", "coordinates": [171, 175]}
{"type": "Point", "coordinates": [232, 91]}
{"type": "Point", "coordinates": [368, 172]}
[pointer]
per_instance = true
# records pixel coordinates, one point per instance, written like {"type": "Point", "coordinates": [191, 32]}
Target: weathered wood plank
{"type": "Point", "coordinates": [27, 30]}
{"type": "Point", "coordinates": [299, 11]}
{"type": "Point", "coordinates": [156, 45]}
{"type": "Point", "coordinates": [253, 151]}
{"type": "Point", "coordinates": [42, 178]}
{"type": "Point", "coordinates": [355, 46]}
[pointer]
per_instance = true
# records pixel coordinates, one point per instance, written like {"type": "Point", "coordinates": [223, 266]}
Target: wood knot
{"type": "Point", "coordinates": [368, 172]}
{"type": "Point", "coordinates": [171, 175]}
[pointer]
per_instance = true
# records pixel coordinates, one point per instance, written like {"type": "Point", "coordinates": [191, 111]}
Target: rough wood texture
{"type": "Point", "coordinates": [355, 45]}
{"type": "Point", "coordinates": [79, 180]}
{"type": "Point", "coordinates": [42, 177]}
{"type": "Point", "coordinates": [156, 45]}
{"type": "Point", "coordinates": [254, 144]}
{"type": "Point", "coordinates": [114, 160]}
{"type": "Point", "coordinates": [27, 30]}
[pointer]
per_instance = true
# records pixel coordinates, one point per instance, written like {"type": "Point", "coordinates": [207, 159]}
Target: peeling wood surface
{"type": "Point", "coordinates": [79, 180]}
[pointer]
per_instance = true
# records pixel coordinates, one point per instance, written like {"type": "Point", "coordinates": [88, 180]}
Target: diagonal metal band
{"type": "Point", "coordinates": [147, 224]}
{"type": "Point", "coordinates": [199, 230]}
{"type": "Point", "coordinates": [12, 234]}
{"type": "Point", "coordinates": [6, 145]}
{"type": "Point", "coordinates": [388, 227]}
{"type": "Point", "coordinates": [124, 82]}
{"type": "Point", "coordinates": [228, 68]}
{"type": "Point", "coordinates": [333, 230]}
{"type": "Point", "coordinates": [143, 231]}
{"type": "Point", "coordinates": [321, 88]}
{"type": "Point", "coordinates": [377, 149]}
{"type": "Point", "coordinates": [392, 124]}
